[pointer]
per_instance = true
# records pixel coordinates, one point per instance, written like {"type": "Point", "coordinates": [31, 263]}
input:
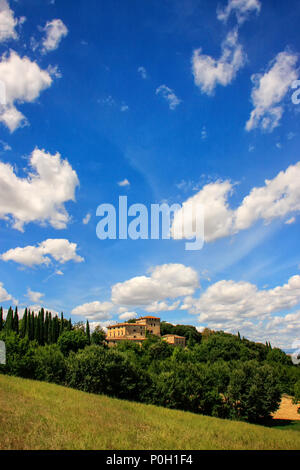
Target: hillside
{"type": "Point", "coordinates": [38, 415]}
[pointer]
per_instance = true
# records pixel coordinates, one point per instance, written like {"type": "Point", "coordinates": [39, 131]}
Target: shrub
{"type": "Point", "coordinates": [50, 364]}
{"type": "Point", "coordinates": [72, 341]}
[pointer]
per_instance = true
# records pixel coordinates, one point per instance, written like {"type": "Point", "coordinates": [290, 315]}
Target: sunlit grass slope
{"type": "Point", "coordinates": [38, 415]}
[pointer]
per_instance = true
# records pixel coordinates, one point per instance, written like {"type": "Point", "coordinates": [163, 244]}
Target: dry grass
{"type": "Point", "coordinates": [37, 415]}
{"type": "Point", "coordinates": [287, 410]}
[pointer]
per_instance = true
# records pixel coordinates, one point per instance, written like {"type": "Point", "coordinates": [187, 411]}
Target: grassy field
{"type": "Point", "coordinates": [38, 415]}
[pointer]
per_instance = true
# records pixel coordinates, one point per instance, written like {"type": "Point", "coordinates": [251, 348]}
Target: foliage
{"type": "Point", "coordinates": [50, 364]}
{"type": "Point", "coordinates": [72, 341]}
{"type": "Point", "coordinates": [253, 392]}
{"type": "Point", "coordinates": [217, 374]}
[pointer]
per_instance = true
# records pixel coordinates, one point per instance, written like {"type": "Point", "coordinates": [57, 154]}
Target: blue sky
{"type": "Point", "coordinates": [174, 100]}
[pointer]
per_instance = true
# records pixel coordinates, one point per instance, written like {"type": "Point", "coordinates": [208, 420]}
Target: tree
{"type": "Point", "coordinates": [16, 321]}
{"type": "Point", "coordinates": [72, 341]}
{"type": "Point", "coordinates": [50, 364]}
{"type": "Point", "coordinates": [87, 332]}
{"type": "Point", "coordinates": [61, 326]}
{"type": "Point", "coordinates": [98, 336]}
{"type": "Point", "coordinates": [23, 324]}
{"type": "Point", "coordinates": [9, 322]}
{"type": "Point", "coordinates": [1, 319]}
{"type": "Point", "coordinates": [253, 392]}
{"type": "Point", "coordinates": [296, 399]}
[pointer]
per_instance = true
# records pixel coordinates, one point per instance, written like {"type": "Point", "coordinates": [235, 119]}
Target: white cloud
{"type": "Point", "coordinates": [218, 217]}
{"type": "Point", "coordinates": [209, 72]}
{"type": "Point", "coordinates": [163, 306]}
{"type": "Point", "coordinates": [277, 198]}
{"type": "Point", "coordinates": [242, 9]}
{"type": "Point", "coordinates": [269, 91]}
{"type": "Point", "coordinates": [4, 295]}
{"type": "Point", "coordinates": [225, 301]}
{"type": "Point", "coordinates": [86, 219]}
{"type": "Point", "coordinates": [39, 197]}
{"type": "Point", "coordinates": [94, 310]}
{"type": "Point", "coordinates": [7, 22]}
{"type": "Point", "coordinates": [166, 281]}
{"type": "Point", "coordinates": [37, 307]}
{"type": "Point", "coordinates": [102, 324]}
{"type": "Point", "coordinates": [124, 108]}
{"type": "Point", "coordinates": [169, 95]}
{"type": "Point", "coordinates": [128, 316]}
{"type": "Point", "coordinates": [290, 221]}
{"type": "Point", "coordinates": [124, 182]}
{"type": "Point", "coordinates": [61, 251]}
{"type": "Point", "coordinates": [23, 82]}
{"type": "Point", "coordinates": [55, 31]}
{"type": "Point", "coordinates": [34, 296]}
{"type": "Point", "coordinates": [143, 72]}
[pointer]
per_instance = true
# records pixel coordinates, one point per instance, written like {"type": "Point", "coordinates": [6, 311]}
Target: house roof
{"type": "Point", "coordinates": [124, 324]}
{"type": "Point", "coordinates": [149, 316]}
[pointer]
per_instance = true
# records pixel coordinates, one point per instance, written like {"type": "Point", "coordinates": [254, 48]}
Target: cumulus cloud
{"type": "Point", "coordinates": [277, 198]}
{"type": "Point", "coordinates": [165, 281]}
{"type": "Point", "coordinates": [124, 182]}
{"type": "Point", "coordinates": [4, 295]}
{"type": "Point", "coordinates": [169, 95]}
{"type": "Point", "coordinates": [23, 82]}
{"type": "Point", "coordinates": [55, 30]}
{"type": "Point", "coordinates": [39, 197]}
{"type": "Point", "coordinates": [61, 250]}
{"type": "Point", "coordinates": [209, 72]}
{"type": "Point", "coordinates": [8, 22]}
{"type": "Point", "coordinates": [241, 8]}
{"type": "Point", "coordinates": [128, 316]}
{"type": "Point", "coordinates": [34, 296]}
{"type": "Point", "coordinates": [94, 310]}
{"type": "Point", "coordinates": [270, 90]}
{"type": "Point", "coordinates": [229, 300]}
{"type": "Point", "coordinates": [163, 306]}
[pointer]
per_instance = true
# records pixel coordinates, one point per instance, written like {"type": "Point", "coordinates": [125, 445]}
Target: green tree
{"type": "Point", "coordinates": [23, 324]}
{"type": "Point", "coordinates": [253, 392]}
{"type": "Point", "coordinates": [9, 322]}
{"type": "Point", "coordinates": [98, 336]}
{"type": "Point", "coordinates": [1, 319]}
{"type": "Point", "coordinates": [87, 332]}
{"type": "Point", "coordinates": [72, 341]}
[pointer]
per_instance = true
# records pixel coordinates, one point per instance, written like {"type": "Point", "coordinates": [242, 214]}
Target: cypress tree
{"type": "Point", "coordinates": [42, 327]}
{"type": "Point", "coordinates": [23, 324]}
{"type": "Point", "coordinates": [50, 328]}
{"type": "Point", "coordinates": [61, 329]}
{"type": "Point", "coordinates": [46, 329]}
{"type": "Point", "coordinates": [87, 332]}
{"type": "Point", "coordinates": [70, 325]}
{"type": "Point", "coordinates": [16, 321]}
{"type": "Point", "coordinates": [31, 331]}
{"type": "Point", "coordinates": [1, 319]}
{"type": "Point", "coordinates": [9, 323]}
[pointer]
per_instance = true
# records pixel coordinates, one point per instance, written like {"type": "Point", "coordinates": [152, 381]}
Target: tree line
{"type": "Point", "coordinates": [217, 374]}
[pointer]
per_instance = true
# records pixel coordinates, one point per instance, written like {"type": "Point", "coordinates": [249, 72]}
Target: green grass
{"type": "Point", "coordinates": [38, 415]}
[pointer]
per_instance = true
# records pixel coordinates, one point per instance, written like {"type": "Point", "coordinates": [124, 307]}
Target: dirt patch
{"type": "Point", "coordinates": [287, 410]}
